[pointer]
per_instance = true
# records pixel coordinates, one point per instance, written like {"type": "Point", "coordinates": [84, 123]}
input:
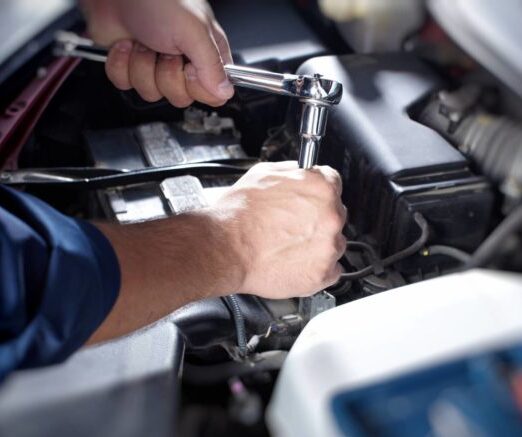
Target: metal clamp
{"type": "Point", "coordinates": [315, 93]}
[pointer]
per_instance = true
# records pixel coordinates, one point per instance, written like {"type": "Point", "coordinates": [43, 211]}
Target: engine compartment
{"type": "Point", "coordinates": [394, 139]}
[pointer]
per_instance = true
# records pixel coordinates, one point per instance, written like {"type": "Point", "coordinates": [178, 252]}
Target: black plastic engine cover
{"type": "Point", "coordinates": [392, 165]}
{"type": "Point", "coordinates": [268, 34]}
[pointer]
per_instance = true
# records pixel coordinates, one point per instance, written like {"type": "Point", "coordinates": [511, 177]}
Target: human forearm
{"type": "Point", "coordinates": [167, 264]}
{"type": "Point", "coordinates": [276, 234]}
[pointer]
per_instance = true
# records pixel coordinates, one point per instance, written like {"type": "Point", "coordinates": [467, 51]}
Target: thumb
{"type": "Point", "coordinates": [200, 47]}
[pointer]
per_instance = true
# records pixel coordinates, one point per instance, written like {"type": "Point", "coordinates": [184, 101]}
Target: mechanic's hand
{"type": "Point", "coordinates": [287, 224]}
{"type": "Point", "coordinates": [192, 44]}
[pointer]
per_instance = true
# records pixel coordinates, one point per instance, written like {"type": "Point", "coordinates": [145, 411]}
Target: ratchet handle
{"type": "Point", "coordinates": [315, 93]}
{"type": "Point", "coordinates": [304, 87]}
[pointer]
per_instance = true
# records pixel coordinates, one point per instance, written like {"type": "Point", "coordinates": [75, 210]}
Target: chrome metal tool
{"type": "Point", "coordinates": [316, 94]}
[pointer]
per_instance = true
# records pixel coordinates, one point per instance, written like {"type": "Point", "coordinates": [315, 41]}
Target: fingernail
{"type": "Point", "coordinates": [225, 89]}
{"type": "Point", "coordinates": [167, 57]}
{"type": "Point", "coordinates": [124, 46]}
{"type": "Point", "coordinates": [190, 72]}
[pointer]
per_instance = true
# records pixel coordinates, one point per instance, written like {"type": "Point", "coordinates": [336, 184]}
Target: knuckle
{"type": "Point", "coordinates": [339, 241]}
{"type": "Point", "coordinates": [332, 196]}
{"type": "Point", "coordinates": [330, 184]}
{"type": "Point", "coordinates": [334, 275]}
{"type": "Point", "coordinates": [334, 222]}
{"type": "Point", "coordinates": [345, 214]}
{"type": "Point", "coordinates": [332, 176]}
{"type": "Point", "coordinates": [340, 246]}
{"type": "Point", "coordinates": [329, 172]}
{"type": "Point", "coordinates": [336, 176]}
{"type": "Point", "coordinates": [271, 179]}
{"type": "Point", "coordinates": [329, 256]}
{"type": "Point", "coordinates": [336, 248]}
{"type": "Point", "coordinates": [320, 184]}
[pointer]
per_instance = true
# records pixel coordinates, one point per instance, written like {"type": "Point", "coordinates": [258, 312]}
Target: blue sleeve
{"type": "Point", "coordinates": [59, 278]}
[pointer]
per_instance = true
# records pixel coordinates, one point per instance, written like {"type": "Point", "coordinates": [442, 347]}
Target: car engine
{"type": "Point", "coordinates": [427, 139]}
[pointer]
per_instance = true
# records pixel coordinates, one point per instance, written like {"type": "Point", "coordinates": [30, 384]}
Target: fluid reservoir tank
{"type": "Point", "coordinates": [407, 362]}
{"type": "Point", "coordinates": [370, 26]}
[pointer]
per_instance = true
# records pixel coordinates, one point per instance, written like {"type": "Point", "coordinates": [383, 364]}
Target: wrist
{"type": "Point", "coordinates": [226, 246]}
{"type": "Point", "coordinates": [197, 253]}
{"type": "Point", "coordinates": [169, 263]}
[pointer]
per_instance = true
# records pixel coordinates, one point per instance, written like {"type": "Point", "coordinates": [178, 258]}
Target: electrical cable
{"type": "Point", "coordinates": [402, 254]}
{"type": "Point", "coordinates": [97, 178]}
{"type": "Point", "coordinates": [489, 248]}
{"type": "Point", "coordinates": [232, 303]}
{"type": "Point", "coordinates": [449, 251]}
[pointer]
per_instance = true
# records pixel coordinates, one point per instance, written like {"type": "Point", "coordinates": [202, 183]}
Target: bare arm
{"type": "Point", "coordinates": [166, 264]}
{"type": "Point", "coordinates": [276, 234]}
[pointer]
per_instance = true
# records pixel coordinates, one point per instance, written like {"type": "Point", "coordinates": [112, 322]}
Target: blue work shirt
{"type": "Point", "coordinates": [59, 278]}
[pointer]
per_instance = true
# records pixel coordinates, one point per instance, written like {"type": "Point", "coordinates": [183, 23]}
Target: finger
{"type": "Point", "coordinates": [117, 65]}
{"type": "Point", "coordinates": [222, 43]}
{"type": "Point", "coordinates": [341, 244]}
{"type": "Point", "coordinates": [333, 276]}
{"type": "Point", "coordinates": [142, 72]}
{"type": "Point", "coordinates": [197, 91]}
{"type": "Point", "coordinates": [170, 80]}
{"type": "Point", "coordinates": [204, 55]}
{"type": "Point", "coordinates": [343, 212]}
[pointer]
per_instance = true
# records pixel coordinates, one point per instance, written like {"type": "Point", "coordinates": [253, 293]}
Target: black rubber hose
{"type": "Point", "coordinates": [449, 251]}
{"type": "Point", "coordinates": [232, 303]}
{"type": "Point", "coordinates": [364, 246]}
{"type": "Point", "coordinates": [402, 254]}
{"type": "Point", "coordinates": [493, 143]}
{"type": "Point", "coordinates": [491, 245]}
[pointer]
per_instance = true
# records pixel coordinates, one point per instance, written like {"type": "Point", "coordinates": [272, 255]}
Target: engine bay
{"type": "Point", "coordinates": [428, 147]}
